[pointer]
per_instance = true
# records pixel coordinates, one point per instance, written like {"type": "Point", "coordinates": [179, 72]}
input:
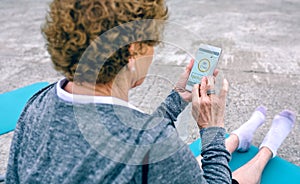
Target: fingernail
{"type": "Point", "coordinates": [225, 84]}
{"type": "Point", "coordinates": [210, 81]}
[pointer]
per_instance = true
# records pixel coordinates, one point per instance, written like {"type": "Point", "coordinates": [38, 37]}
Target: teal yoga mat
{"type": "Point", "coordinates": [277, 171]}
{"type": "Point", "coordinates": [12, 104]}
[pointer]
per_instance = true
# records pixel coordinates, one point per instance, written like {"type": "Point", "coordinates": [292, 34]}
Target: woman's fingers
{"type": "Point", "coordinates": [189, 66]}
{"type": "Point", "coordinates": [216, 72]}
{"type": "Point", "coordinates": [211, 80]}
{"type": "Point", "coordinates": [224, 90]}
{"type": "Point", "coordinates": [203, 87]}
{"type": "Point", "coordinates": [208, 110]}
{"type": "Point", "coordinates": [195, 95]}
{"type": "Point", "coordinates": [195, 102]}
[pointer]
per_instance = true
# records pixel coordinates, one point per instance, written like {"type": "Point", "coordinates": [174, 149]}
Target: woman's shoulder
{"type": "Point", "coordinates": [38, 98]}
{"type": "Point", "coordinates": [42, 93]}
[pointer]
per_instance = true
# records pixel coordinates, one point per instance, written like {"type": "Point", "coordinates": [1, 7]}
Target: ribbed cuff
{"type": "Point", "coordinates": [212, 136]}
{"type": "Point", "coordinates": [174, 104]}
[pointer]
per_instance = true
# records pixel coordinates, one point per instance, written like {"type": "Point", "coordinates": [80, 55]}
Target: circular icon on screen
{"type": "Point", "coordinates": [204, 65]}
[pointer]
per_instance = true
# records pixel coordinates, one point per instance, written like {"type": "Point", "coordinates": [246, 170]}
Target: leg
{"type": "Point", "coordinates": [251, 172]}
{"type": "Point", "coordinates": [246, 131]}
{"type": "Point", "coordinates": [253, 168]}
{"type": "Point", "coordinates": [243, 134]}
{"type": "Point", "coordinates": [241, 138]}
{"type": "Point", "coordinates": [199, 158]}
{"type": "Point", "coordinates": [232, 143]}
{"type": "Point", "coordinates": [281, 126]}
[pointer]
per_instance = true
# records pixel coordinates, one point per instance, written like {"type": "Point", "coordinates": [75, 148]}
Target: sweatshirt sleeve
{"type": "Point", "coordinates": [215, 156]}
{"type": "Point", "coordinates": [171, 107]}
{"type": "Point", "coordinates": [182, 167]}
{"type": "Point", "coordinates": [15, 154]}
{"type": "Point", "coordinates": [12, 175]}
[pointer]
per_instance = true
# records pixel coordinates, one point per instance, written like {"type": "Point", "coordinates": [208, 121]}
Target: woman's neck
{"type": "Point", "coordinates": [119, 87]}
{"type": "Point", "coordinates": [109, 89]}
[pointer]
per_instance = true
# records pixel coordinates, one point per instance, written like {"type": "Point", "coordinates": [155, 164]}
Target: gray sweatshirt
{"type": "Point", "coordinates": [56, 141]}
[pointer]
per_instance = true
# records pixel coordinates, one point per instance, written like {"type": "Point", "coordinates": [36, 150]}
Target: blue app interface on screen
{"type": "Point", "coordinates": [204, 65]}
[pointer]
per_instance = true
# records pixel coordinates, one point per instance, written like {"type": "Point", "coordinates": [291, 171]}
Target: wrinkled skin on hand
{"type": "Point", "coordinates": [208, 110]}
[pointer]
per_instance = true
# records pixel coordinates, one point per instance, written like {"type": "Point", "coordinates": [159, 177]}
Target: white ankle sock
{"type": "Point", "coordinates": [281, 126]}
{"type": "Point", "coordinates": [246, 131]}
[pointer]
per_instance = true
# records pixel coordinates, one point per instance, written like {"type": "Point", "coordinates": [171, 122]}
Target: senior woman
{"type": "Point", "coordinates": [82, 128]}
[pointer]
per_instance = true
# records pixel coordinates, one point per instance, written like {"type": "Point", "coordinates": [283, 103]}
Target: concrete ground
{"type": "Point", "coordinates": [261, 59]}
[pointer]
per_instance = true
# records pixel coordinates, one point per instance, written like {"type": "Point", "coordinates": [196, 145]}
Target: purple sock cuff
{"type": "Point", "coordinates": [262, 109]}
{"type": "Point", "coordinates": [288, 114]}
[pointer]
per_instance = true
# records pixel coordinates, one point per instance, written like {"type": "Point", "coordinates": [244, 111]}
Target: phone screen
{"type": "Point", "coordinates": [206, 61]}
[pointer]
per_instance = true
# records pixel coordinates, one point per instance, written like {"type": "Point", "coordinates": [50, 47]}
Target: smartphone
{"type": "Point", "coordinates": [207, 58]}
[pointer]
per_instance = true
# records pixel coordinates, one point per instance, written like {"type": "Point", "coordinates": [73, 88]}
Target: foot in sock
{"type": "Point", "coordinates": [246, 131]}
{"type": "Point", "coordinates": [281, 126]}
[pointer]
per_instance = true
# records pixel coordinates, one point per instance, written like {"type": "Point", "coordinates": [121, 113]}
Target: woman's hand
{"type": "Point", "coordinates": [208, 110]}
{"type": "Point", "coordinates": [180, 85]}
